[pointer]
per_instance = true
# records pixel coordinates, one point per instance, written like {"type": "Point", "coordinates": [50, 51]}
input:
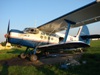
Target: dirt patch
{"type": "Point", "coordinates": [16, 61]}
{"type": "Point", "coordinates": [41, 61]}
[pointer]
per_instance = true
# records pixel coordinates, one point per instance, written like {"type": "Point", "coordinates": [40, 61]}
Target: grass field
{"type": "Point", "coordinates": [91, 56]}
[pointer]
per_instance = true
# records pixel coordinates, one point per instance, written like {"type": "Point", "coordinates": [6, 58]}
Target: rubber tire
{"type": "Point", "coordinates": [33, 58]}
{"type": "Point", "coordinates": [22, 56]}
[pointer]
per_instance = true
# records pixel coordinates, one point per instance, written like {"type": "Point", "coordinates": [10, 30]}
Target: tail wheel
{"type": "Point", "coordinates": [22, 55]}
{"type": "Point", "coordinates": [33, 58]}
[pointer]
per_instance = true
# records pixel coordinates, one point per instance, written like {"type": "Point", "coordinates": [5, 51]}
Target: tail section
{"type": "Point", "coordinates": [83, 31]}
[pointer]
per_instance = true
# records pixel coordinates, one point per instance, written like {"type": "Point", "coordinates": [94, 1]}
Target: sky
{"type": "Point", "coordinates": [33, 13]}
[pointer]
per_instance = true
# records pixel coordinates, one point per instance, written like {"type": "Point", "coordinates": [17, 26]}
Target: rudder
{"type": "Point", "coordinates": [83, 31]}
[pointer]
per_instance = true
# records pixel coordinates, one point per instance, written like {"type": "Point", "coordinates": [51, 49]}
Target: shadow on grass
{"type": "Point", "coordinates": [5, 69]}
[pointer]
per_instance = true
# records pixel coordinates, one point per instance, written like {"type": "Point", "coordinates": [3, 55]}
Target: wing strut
{"type": "Point", "coordinates": [68, 28]}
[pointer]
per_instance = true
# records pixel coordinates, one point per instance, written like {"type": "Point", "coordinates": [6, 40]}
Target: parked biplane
{"type": "Point", "coordinates": [45, 36]}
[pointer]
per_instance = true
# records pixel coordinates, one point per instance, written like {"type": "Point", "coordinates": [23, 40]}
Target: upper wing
{"type": "Point", "coordinates": [67, 45]}
{"type": "Point", "coordinates": [85, 15]}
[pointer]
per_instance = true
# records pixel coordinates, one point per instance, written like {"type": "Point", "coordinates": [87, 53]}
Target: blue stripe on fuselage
{"type": "Point", "coordinates": [23, 42]}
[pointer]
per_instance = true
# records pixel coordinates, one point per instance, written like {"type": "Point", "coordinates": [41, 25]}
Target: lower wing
{"type": "Point", "coordinates": [67, 45]}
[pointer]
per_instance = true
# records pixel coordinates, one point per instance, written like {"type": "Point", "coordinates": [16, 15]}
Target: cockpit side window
{"type": "Point", "coordinates": [31, 30]}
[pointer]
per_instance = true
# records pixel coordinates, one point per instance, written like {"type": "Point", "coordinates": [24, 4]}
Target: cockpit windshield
{"type": "Point", "coordinates": [31, 30]}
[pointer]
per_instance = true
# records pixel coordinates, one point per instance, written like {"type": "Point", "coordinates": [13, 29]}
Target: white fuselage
{"type": "Point", "coordinates": [42, 37]}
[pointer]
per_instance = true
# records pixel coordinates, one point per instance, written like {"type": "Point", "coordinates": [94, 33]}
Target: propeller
{"type": "Point", "coordinates": [8, 33]}
{"type": "Point", "coordinates": [8, 27]}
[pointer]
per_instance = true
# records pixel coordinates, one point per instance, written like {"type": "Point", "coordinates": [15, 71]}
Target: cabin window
{"type": "Point", "coordinates": [51, 38]}
{"type": "Point", "coordinates": [41, 37]}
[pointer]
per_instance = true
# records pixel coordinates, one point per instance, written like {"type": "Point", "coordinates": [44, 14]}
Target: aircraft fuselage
{"type": "Point", "coordinates": [31, 39]}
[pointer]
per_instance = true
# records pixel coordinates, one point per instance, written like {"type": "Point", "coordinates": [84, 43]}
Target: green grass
{"type": "Point", "coordinates": [31, 70]}
{"type": "Point", "coordinates": [7, 54]}
{"type": "Point", "coordinates": [91, 56]}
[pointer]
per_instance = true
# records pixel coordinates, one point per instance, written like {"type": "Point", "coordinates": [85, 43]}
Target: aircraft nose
{"type": "Point", "coordinates": [6, 35]}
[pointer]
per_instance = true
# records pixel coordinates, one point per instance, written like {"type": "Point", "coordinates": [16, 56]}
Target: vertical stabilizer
{"type": "Point", "coordinates": [83, 30]}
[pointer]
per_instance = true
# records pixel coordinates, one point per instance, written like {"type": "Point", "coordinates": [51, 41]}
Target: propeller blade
{"type": "Point", "coordinates": [8, 27]}
{"type": "Point", "coordinates": [8, 33]}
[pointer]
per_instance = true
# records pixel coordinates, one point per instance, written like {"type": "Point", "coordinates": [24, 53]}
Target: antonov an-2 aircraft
{"type": "Point", "coordinates": [45, 37]}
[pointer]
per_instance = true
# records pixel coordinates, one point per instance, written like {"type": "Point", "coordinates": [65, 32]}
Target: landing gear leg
{"type": "Point", "coordinates": [23, 55]}
{"type": "Point", "coordinates": [33, 56]}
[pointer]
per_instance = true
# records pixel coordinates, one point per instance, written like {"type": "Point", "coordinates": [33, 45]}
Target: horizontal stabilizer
{"type": "Point", "coordinates": [66, 45]}
{"type": "Point", "coordinates": [90, 36]}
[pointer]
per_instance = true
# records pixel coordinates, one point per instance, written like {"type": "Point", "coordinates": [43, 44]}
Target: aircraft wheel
{"type": "Point", "coordinates": [33, 58]}
{"type": "Point", "coordinates": [22, 55]}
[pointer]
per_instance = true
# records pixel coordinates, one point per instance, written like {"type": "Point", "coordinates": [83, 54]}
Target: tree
{"type": "Point", "coordinates": [3, 43]}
